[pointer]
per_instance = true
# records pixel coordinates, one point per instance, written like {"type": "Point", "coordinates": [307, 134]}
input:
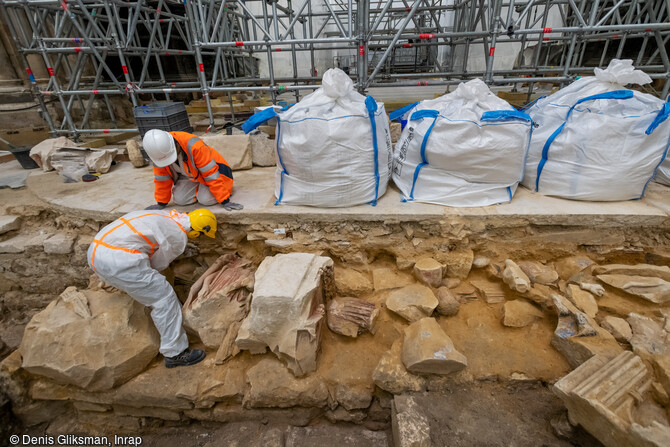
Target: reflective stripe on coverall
{"type": "Point", "coordinates": [203, 165]}
{"type": "Point", "coordinates": [129, 253]}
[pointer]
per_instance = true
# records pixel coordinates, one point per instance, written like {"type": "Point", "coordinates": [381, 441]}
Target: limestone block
{"type": "Point", "coordinates": [16, 244]}
{"type": "Point", "coordinates": [491, 292]}
{"type": "Point", "coordinates": [520, 313]}
{"type": "Point", "coordinates": [653, 289]}
{"type": "Point", "coordinates": [412, 302]}
{"type": "Point", "coordinates": [480, 262]}
{"type": "Point", "coordinates": [539, 273]}
{"type": "Point", "coordinates": [287, 308]}
{"type": "Point", "coordinates": [349, 282]}
{"type": "Point", "coordinates": [59, 243]}
{"type": "Point", "coordinates": [657, 271]}
{"type": "Point", "coordinates": [43, 151]}
{"type": "Point", "coordinates": [353, 397]}
{"type": "Point", "coordinates": [618, 327]}
{"type": "Point", "coordinates": [447, 305]}
{"type": "Point", "coordinates": [602, 394]}
{"type": "Point", "coordinates": [428, 350]}
{"type": "Point", "coordinates": [351, 316]}
{"type": "Point", "coordinates": [567, 267]}
{"type": "Point", "coordinates": [220, 298]}
{"type": "Point", "coordinates": [9, 223]}
{"type": "Point", "coordinates": [94, 340]}
{"type": "Point", "coordinates": [649, 337]}
{"type": "Point", "coordinates": [428, 271]}
{"type": "Point", "coordinates": [540, 294]}
{"type": "Point", "coordinates": [390, 373]}
{"type": "Point", "coordinates": [134, 153]}
{"type": "Point", "coordinates": [272, 385]}
{"type": "Point", "coordinates": [578, 337]}
{"type": "Point", "coordinates": [235, 149]}
{"type": "Point", "coordinates": [263, 150]}
{"type": "Point", "coordinates": [409, 423]}
{"type": "Point", "coordinates": [465, 292]}
{"type": "Point", "coordinates": [396, 131]}
{"type": "Point", "coordinates": [583, 300]}
{"type": "Point", "coordinates": [515, 278]}
{"type": "Point", "coordinates": [458, 263]}
{"type": "Point", "coordinates": [385, 278]}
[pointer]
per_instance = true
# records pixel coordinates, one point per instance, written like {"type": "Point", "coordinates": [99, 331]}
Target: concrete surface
{"type": "Point", "coordinates": [126, 189]}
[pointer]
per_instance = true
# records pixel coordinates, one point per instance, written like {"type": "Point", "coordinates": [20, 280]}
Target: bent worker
{"type": "Point", "coordinates": [130, 252]}
{"type": "Point", "coordinates": [188, 171]}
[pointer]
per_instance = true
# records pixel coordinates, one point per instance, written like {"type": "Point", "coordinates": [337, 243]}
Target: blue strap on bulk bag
{"type": "Point", "coordinates": [424, 161]}
{"type": "Point", "coordinates": [371, 105]}
{"type": "Point", "coordinates": [616, 94]}
{"type": "Point", "coordinates": [258, 118]}
{"type": "Point", "coordinates": [505, 115]}
{"type": "Point", "coordinates": [398, 114]}
{"type": "Point", "coordinates": [662, 116]}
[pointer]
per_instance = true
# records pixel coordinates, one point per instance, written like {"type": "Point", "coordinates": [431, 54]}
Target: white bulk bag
{"type": "Point", "coordinates": [596, 140]}
{"type": "Point", "coordinates": [333, 147]}
{"type": "Point", "coordinates": [465, 148]}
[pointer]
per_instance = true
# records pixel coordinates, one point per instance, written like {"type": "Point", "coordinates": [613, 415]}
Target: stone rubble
{"type": "Point", "coordinates": [520, 313]}
{"type": "Point", "coordinates": [577, 336]}
{"type": "Point", "coordinates": [9, 223]}
{"type": "Point", "coordinates": [59, 243]}
{"type": "Point", "coordinates": [656, 271]}
{"type": "Point", "coordinates": [427, 349]}
{"type": "Point", "coordinates": [429, 271]}
{"type": "Point", "coordinates": [515, 278]}
{"type": "Point", "coordinates": [390, 373]}
{"type": "Point", "coordinates": [650, 288]}
{"type": "Point", "coordinates": [412, 302]}
{"type": "Point", "coordinates": [618, 327]}
{"type": "Point", "coordinates": [491, 292]}
{"type": "Point", "coordinates": [262, 149]}
{"type": "Point", "coordinates": [539, 273]}
{"type": "Point", "coordinates": [350, 282]}
{"type": "Point", "coordinates": [287, 308]}
{"type": "Point", "coordinates": [583, 300]}
{"type": "Point", "coordinates": [220, 298]}
{"type": "Point", "coordinates": [595, 289]}
{"type": "Point", "coordinates": [351, 316]}
{"type": "Point", "coordinates": [480, 262]}
{"type": "Point", "coordinates": [385, 278]}
{"type": "Point", "coordinates": [448, 305]}
{"type": "Point", "coordinates": [76, 340]}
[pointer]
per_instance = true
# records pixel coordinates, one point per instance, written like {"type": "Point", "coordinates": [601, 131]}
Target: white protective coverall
{"type": "Point", "coordinates": [130, 252]}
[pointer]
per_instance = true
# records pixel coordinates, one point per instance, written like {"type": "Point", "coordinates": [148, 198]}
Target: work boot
{"type": "Point", "coordinates": [186, 358]}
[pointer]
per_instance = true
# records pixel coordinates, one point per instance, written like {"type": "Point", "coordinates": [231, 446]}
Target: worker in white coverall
{"type": "Point", "coordinates": [130, 252]}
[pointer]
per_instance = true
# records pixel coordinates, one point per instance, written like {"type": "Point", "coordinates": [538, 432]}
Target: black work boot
{"type": "Point", "coordinates": [186, 358]}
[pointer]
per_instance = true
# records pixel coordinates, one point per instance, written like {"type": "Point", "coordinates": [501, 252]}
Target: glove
{"type": "Point", "coordinates": [231, 206]}
{"type": "Point", "coordinates": [158, 206]}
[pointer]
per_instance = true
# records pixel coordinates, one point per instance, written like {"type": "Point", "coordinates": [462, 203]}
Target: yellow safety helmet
{"type": "Point", "coordinates": [203, 221]}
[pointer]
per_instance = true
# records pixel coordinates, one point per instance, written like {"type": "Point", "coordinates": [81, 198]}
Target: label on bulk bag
{"type": "Point", "coordinates": [402, 153]}
{"type": "Point", "coordinates": [389, 150]}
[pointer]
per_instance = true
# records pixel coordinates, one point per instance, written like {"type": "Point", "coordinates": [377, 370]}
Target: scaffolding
{"type": "Point", "coordinates": [94, 51]}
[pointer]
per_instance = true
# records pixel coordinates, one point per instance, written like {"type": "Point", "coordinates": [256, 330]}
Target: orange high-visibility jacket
{"type": "Point", "coordinates": [203, 164]}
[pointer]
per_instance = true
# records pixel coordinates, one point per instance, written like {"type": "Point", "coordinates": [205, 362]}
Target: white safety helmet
{"type": "Point", "coordinates": [159, 146]}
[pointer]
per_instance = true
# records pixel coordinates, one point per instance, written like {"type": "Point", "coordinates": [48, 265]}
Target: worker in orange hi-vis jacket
{"type": "Point", "coordinates": [188, 171]}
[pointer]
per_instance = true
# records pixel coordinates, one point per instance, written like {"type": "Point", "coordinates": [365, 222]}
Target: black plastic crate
{"type": "Point", "coordinates": [169, 116]}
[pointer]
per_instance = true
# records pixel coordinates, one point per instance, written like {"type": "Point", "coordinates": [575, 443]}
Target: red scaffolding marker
{"type": "Point", "coordinates": [546, 30]}
{"type": "Point", "coordinates": [545, 38]}
{"type": "Point", "coordinates": [95, 92]}
{"type": "Point", "coordinates": [277, 49]}
{"type": "Point", "coordinates": [77, 49]}
{"type": "Point", "coordinates": [125, 69]}
{"type": "Point", "coordinates": [51, 71]}
{"type": "Point", "coordinates": [492, 51]}
{"type": "Point", "coordinates": [407, 45]}
{"type": "Point", "coordinates": [105, 130]}
{"type": "Point", "coordinates": [426, 36]}
{"type": "Point", "coordinates": [239, 43]}
{"type": "Point", "coordinates": [201, 67]}
{"type": "Point", "coordinates": [361, 50]}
